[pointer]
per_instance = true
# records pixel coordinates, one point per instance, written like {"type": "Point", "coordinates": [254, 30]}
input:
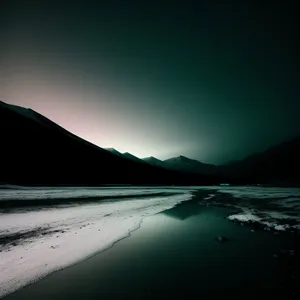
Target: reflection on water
{"type": "Point", "coordinates": [184, 211]}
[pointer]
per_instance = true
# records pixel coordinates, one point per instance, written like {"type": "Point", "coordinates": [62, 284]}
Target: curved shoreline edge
{"type": "Point", "coordinates": [187, 196]}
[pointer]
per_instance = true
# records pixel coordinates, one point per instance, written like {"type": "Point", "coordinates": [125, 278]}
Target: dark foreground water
{"type": "Point", "coordinates": [176, 255]}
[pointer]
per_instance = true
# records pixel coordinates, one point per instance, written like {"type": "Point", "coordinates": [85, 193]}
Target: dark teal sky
{"type": "Point", "coordinates": [212, 81]}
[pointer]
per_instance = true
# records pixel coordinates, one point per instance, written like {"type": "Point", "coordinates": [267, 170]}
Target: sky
{"type": "Point", "coordinates": [212, 80]}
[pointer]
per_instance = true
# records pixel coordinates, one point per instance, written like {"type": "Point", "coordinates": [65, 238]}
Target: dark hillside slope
{"type": "Point", "coordinates": [277, 165]}
{"type": "Point", "coordinates": [35, 150]}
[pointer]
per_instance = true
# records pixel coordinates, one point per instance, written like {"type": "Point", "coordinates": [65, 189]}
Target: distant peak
{"type": "Point", "coordinates": [152, 158]}
{"type": "Point", "coordinates": [128, 153]}
{"type": "Point", "coordinates": [183, 157]}
{"type": "Point", "coordinates": [113, 151]}
{"type": "Point", "coordinates": [110, 149]}
{"type": "Point", "coordinates": [180, 157]}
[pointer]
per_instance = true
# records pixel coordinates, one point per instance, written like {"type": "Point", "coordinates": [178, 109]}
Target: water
{"type": "Point", "coordinates": [36, 240]}
{"type": "Point", "coordinates": [175, 255]}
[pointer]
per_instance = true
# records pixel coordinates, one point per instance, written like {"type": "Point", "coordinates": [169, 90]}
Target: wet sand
{"type": "Point", "coordinates": [176, 255]}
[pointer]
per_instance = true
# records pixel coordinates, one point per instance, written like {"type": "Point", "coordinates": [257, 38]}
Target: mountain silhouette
{"type": "Point", "coordinates": [279, 164]}
{"type": "Point", "coordinates": [154, 161]}
{"type": "Point", "coordinates": [132, 157]}
{"type": "Point", "coordinates": [37, 151]}
{"type": "Point", "coordinates": [114, 151]}
{"type": "Point", "coordinates": [186, 164]}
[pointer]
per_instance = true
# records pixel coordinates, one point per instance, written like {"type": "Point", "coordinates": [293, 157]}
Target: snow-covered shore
{"type": "Point", "coordinates": [272, 208]}
{"type": "Point", "coordinates": [36, 242]}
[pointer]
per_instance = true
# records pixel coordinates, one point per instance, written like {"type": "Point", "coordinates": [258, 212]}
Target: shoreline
{"type": "Point", "coordinates": [91, 262]}
{"type": "Point", "coordinates": [185, 197]}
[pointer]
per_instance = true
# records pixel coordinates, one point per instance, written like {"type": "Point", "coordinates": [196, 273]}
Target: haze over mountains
{"type": "Point", "coordinates": [183, 164]}
{"type": "Point", "coordinates": [189, 165]}
{"type": "Point", "coordinates": [35, 150]}
{"type": "Point", "coordinates": [154, 161]}
{"type": "Point", "coordinates": [180, 163]}
{"type": "Point", "coordinates": [280, 164]}
{"type": "Point", "coordinates": [126, 155]}
{"type": "Point", "coordinates": [114, 151]}
{"type": "Point", "coordinates": [132, 157]}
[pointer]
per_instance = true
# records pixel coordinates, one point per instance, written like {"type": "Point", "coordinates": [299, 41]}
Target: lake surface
{"type": "Point", "coordinates": [176, 255]}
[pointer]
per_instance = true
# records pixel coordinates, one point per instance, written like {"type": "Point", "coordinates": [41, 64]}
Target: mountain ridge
{"type": "Point", "coordinates": [151, 160]}
{"type": "Point", "coordinates": [114, 151]}
{"type": "Point", "coordinates": [133, 157]}
{"type": "Point", "coordinates": [33, 148]}
{"type": "Point", "coordinates": [279, 163]}
{"type": "Point", "coordinates": [186, 164]}
{"type": "Point", "coordinates": [37, 151]}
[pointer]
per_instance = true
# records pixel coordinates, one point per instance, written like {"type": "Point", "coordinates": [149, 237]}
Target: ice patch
{"type": "Point", "coordinates": [210, 196]}
{"type": "Point", "coordinates": [276, 208]}
{"type": "Point", "coordinates": [267, 221]}
{"type": "Point", "coordinates": [41, 242]}
{"type": "Point", "coordinates": [246, 217]}
{"type": "Point", "coordinates": [282, 227]}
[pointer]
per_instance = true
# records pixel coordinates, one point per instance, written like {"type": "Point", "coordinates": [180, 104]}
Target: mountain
{"type": "Point", "coordinates": [279, 165]}
{"type": "Point", "coordinates": [185, 164]}
{"type": "Point", "coordinates": [154, 161]}
{"type": "Point", "coordinates": [36, 151]}
{"type": "Point", "coordinates": [182, 164]}
{"type": "Point", "coordinates": [114, 151]}
{"type": "Point", "coordinates": [132, 157]}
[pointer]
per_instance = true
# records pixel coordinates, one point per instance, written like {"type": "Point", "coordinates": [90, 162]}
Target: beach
{"type": "Point", "coordinates": [190, 251]}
